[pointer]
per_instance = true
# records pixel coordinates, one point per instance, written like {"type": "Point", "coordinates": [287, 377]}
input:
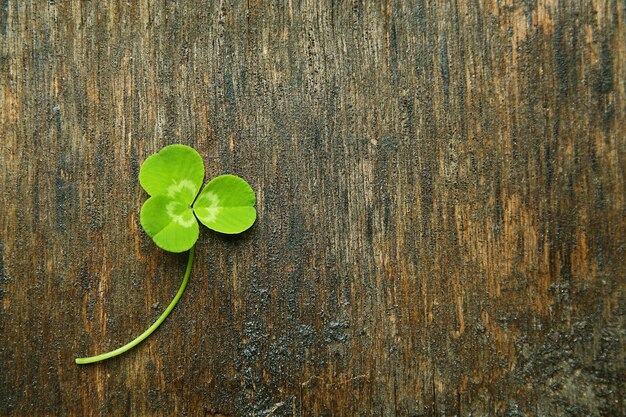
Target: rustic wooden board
{"type": "Point", "coordinates": [440, 192]}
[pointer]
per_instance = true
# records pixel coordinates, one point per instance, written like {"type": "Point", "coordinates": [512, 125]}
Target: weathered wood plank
{"type": "Point", "coordinates": [440, 193]}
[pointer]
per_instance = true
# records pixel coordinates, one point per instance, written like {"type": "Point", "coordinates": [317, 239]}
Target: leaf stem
{"type": "Point", "coordinates": [148, 332]}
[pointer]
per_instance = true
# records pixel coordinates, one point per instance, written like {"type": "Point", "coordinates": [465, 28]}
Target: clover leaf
{"type": "Point", "coordinates": [172, 177]}
{"type": "Point", "coordinates": [226, 205]}
{"type": "Point", "coordinates": [176, 171]}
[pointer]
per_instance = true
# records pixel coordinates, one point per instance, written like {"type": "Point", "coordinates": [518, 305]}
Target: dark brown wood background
{"type": "Point", "coordinates": [440, 194]}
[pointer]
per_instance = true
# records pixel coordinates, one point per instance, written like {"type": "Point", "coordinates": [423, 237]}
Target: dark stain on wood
{"type": "Point", "coordinates": [440, 194]}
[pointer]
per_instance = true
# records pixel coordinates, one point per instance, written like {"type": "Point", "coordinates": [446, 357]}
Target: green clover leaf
{"type": "Point", "coordinates": [176, 171]}
{"type": "Point", "coordinates": [170, 223]}
{"type": "Point", "coordinates": [226, 205]}
{"type": "Point", "coordinates": [172, 177]}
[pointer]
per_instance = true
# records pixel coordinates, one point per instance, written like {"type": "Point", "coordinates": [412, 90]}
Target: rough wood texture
{"type": "Point", "coordinates": [440, 193]}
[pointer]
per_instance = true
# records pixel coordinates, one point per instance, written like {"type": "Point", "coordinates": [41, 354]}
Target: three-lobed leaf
{"type": "Point", "coordinates": [173, 177]}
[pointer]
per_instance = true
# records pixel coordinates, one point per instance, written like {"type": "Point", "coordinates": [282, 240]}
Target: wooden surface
{"type": "Point", "coordinates": [440, 193]}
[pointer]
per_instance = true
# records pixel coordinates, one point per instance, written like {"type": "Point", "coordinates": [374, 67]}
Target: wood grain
{"type": "Point", "coordinates": [440, 193]}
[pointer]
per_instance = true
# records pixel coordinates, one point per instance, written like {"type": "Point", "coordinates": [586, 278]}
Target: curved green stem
{"type": "Point", "coordinates": [148, 332]}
